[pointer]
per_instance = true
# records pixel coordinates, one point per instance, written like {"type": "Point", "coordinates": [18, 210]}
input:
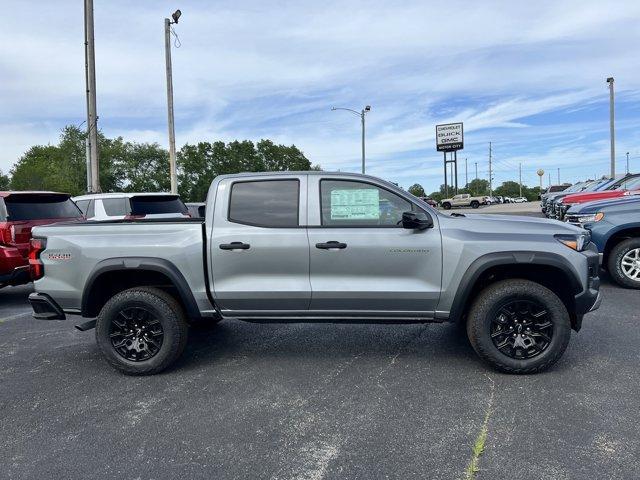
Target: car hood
{"type": "Point", "coordinates": [511, 224]}
{"type": "Point", "coordinates": [597, 205]}
{"type": "Point", "coordinates": [591, 196]}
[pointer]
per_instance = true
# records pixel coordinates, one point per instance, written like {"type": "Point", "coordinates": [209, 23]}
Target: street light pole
{"type": "Point", "coordinates": [172, 131]}
{"type": "Point", "coordinates": [612, 128]}
{"type": "Point", "coordinates": [361, 114]}
{"type": "Point", "coordinates": [627, 163]}
{"type": "Point", "coordinates": [93, 173]}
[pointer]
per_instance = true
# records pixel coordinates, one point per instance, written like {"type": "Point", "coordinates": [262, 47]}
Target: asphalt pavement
{"type": "Point", "coordinates": [310, 401]}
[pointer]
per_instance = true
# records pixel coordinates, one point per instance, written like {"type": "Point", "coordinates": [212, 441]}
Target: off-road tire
{"type": "Point", "coordinates": [475, 204]}
{"type": "Point", "coordinates": [614, 262]}
{"type": "Point", "coordinates": [446, 206]}
{"type": "Point", "coordinates": [170, 315]}
{"type": "Point", "coordinates": [487, 304]}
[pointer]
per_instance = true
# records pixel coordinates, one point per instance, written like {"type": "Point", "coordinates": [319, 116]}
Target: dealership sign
{"type": "Point", "coordinates": [449, 137]}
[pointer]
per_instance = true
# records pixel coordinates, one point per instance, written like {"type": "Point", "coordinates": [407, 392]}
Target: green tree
{"type": "Point", "coordinates": [509, 189]}
{"type": "Point", "coordinates": [5, 182]}
{"type": "Point", "coordinates": [417, 190]}
{"type": "Point", "coordinates": [139, 167]}
{"type": "Point", "coordinates": [478, 186]}
{"type": "Point", "coordinates": [200, 164]}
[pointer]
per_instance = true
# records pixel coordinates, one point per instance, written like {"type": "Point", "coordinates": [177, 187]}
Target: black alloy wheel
{"type": "Point", "coordinates": [136, 334]}
{"type": "Point", "coordinates": [521, 329]}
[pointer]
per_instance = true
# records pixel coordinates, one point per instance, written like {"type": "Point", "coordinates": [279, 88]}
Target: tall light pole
{"type": "Point", "coordinates": [466, 174]}
{"type": "Point", "coordinates": [361, 114]}
{"type": "Point", "coordinates": [172, 131]}
{"type": "Point", "coordinates": [612, 128]}
{"type": "Point", "coordinates": [93, 172]}
{"type": "Point", "coordinates": [627, 163]}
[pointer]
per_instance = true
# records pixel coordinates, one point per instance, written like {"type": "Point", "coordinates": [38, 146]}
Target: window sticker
{"type": "Point", "coordinates": [355, 204]}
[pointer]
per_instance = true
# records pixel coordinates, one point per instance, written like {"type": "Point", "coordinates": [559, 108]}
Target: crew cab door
{"type": "Point", "coordinates": [363, 262]}
{"type": "Point", "coordinates": [258, 246]}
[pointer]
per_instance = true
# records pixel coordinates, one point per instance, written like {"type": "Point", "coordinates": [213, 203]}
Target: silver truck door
{"type": "Point", "coordinates": [362, 261]}
{"type": "Point", "coordinates": [259, 248]}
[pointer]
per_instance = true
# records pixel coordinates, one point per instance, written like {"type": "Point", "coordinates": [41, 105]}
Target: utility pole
{"type": "Point", "coordinates": [172, 131]}
{"type": "Point", "coordinates": [93, 169]}
{"type": "Point", "coordinates": [558, 175]}
{"type": "Point", "coordinates": [520, 172]}
{"type": "Point", "coordinates": [612, 133]}
{"type": "Point", "coordinates": [476, 170]}
{"type": "Point", "coordinates": [361, 114]}
{"type": "Point", "coordinates": [627, 163]}
{"type": "Point", "coordinates": [466, 173]}
{"type": "Point", "coordinates": [549, 178]}
{"type": "Point", "coordinates": [490, 174]}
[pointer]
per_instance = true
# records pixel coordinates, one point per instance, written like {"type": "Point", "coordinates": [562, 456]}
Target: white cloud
{"type": "Point", "coordinates": [253, 70]}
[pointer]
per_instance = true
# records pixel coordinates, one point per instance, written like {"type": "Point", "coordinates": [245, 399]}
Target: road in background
{"type": "Point", "coordinates": [318, 401]}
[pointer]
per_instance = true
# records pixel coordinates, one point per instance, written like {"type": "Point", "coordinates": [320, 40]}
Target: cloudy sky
{"type": "Point", "coordinates": [527, 76]}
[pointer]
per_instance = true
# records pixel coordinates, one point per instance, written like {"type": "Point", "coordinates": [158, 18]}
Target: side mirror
{"type": "Point", "coordinates": [416, 220]}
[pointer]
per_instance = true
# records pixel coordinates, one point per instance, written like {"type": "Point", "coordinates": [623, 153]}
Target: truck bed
{"type": "Point", "coordinates": [75, 252]}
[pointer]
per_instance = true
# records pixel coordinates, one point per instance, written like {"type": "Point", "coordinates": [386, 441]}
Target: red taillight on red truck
{"type": "Point", "coordinates": [36, 268]}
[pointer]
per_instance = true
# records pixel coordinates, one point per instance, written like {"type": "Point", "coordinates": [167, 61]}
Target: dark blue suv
{"type": "Point", "coordinates": [615, 229]}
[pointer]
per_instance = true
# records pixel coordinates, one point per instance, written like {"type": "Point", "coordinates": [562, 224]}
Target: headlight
{"type": "Point", "coordinates": [587, 218]}
{"type": "Point", "coordinates": [578, 241]}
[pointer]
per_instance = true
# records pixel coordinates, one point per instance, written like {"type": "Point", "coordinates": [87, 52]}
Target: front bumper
{"type": "Point", "coordinates": [45, 308]}
{"type": "Point", "coordinates": [590, 298]}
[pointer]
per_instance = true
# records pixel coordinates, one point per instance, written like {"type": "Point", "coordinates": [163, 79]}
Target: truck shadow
{"type": "Point", "coordinates": [232, 339]}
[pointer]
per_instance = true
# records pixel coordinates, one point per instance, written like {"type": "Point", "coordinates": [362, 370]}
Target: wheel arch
{"type": "Point", "coordinates": [114, 275]}
{"type": "Point", "coordinates": [548, 269]}
{"type": "Point", "coordinates": [617, 236]}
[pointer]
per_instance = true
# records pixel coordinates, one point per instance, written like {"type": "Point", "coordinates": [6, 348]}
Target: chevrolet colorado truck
{"type": "Point", "coordinates": [318, 247]}
{"type": "Point", "coordinates": [463, 200]}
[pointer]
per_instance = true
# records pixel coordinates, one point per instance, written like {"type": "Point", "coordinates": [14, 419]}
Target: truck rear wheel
{"type": "Point", "coordinates": [624, 263]}
{"type": "Point", "coordinates": [518, 326]}
{"type": "Point", "coordinates": [141, 331]}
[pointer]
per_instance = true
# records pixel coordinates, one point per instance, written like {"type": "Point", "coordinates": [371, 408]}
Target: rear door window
{"type": "Point", "coordinates": [115, 207]}
{"type": "Point", "coordinates": [21, 207]}
{"type": "Point", "coordinates": [265, 203]}
{"type": "Point", "coordinates": [157, 205]}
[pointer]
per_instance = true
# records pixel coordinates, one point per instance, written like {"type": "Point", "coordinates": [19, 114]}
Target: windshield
{"type": "Point", "coordinates": [157, 204]}
{"type": "Point", "coordinates": [632, 183]}
{"type": "Point", "coordinates": [21, 207]}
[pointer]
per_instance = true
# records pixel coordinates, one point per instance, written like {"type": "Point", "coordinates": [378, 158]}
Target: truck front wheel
{"type": "Point", "coordinates": [518, 326]}
{"type": "Point", "coordinates": [446, 206]}
{"type": "Point", "coordinates": [141, 331]}
{"type": "Point", "coordinates": [475, 204]}
{"type": "Point", "coordinates": [624, 263]}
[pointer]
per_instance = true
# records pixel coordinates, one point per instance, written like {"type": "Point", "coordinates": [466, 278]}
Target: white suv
{"type": "Point", "coordinates": [118, 206]}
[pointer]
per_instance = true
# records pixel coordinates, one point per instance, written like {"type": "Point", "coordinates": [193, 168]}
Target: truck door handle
{"type": "Point", "coordinates": [330, 245]}
{"type": "Point", "coordinates": [235, 246]}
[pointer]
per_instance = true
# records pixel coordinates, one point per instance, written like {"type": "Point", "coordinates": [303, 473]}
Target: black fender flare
{"type": "Point", "coordinates": [489, 260]}
{"type": "Point", "coordinates": [141, 263]}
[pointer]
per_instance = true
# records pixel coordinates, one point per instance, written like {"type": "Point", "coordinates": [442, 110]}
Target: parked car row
{"type": "Point", "coordinates": [21, 211]}
{"type": "Point", "coordinates": [467, 200]}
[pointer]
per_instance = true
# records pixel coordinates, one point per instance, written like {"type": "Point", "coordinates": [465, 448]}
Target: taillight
{"type": "Point", "coordinates": [5, 234]}
{"type": "Point", "coordinates": [36, 268]}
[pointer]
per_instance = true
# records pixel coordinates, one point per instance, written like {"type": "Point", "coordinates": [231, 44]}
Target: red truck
{"type": "Point", "coordinates": [19, 212]}
{"type": "Point", "coordinates": [630, 185]}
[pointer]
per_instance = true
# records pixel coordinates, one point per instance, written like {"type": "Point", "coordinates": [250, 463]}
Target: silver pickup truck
{"type": "Point", "coordinates": [318, 247]}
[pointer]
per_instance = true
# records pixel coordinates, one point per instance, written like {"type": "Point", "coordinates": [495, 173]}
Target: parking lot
{"type": "Point", "coordinates": [318, 401]}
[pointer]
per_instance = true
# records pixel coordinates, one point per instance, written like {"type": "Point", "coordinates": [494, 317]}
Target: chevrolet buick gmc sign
{"type": "Point", "coordinates": [449, 137]}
